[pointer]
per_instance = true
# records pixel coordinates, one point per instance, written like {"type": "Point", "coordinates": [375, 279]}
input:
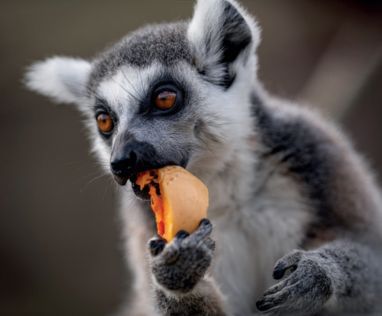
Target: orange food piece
{"type": "Point", "coordinates": [179, 200]}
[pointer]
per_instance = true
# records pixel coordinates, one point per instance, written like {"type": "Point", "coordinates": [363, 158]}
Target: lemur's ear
{"type": "Point", "coordinates": [61, 78]}
{"type": "Point", "coordinates": [221, 33]}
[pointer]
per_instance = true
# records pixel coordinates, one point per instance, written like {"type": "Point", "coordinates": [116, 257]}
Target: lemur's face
{"type": "Point", "coordinates": [149, 104]}
{"type": "Point", "coordinates": [165, 95]}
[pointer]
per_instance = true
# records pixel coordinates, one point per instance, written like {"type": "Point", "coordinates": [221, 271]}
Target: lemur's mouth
{"type": "Point", "coordinates": [142, 194]}
{"type": "Point", "coordinates": [132, 177]}
{"type": "Point", "coordinates": [123, 179]}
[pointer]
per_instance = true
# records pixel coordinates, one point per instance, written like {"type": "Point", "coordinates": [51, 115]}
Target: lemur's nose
{"type": "Point", "coordinates": [130, 157]}
{"type": "Point", "coordinates": [123, 162]}
{"type": "Point", "coordinates": [123, 166]}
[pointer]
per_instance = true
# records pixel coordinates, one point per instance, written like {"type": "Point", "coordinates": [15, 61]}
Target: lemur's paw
{"type": "Point", "coordinates": [179, 265]}
{"type": "Point", "coordinates": [304, 287]}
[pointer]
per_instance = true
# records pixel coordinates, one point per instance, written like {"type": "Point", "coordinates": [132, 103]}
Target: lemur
{"type": "Point", "coordinates": [295, 219]}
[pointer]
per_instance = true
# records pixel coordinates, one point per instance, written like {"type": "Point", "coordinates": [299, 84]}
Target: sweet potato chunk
{"type": "Point", "coordinates": [179, 200]}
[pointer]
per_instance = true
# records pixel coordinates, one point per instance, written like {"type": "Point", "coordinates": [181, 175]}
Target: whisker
{"type": "Point", "coordinates": [92, 181]}
{"type": "Point", "coordinates": [131, 83]}
{"type": "Point", "coordinates": [127, 91]}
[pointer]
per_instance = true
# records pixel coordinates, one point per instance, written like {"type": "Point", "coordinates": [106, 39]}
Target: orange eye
{"type": "Point", "coordinates": [105, 123]}
{"type": "Point", "coordinates": [165, 100]}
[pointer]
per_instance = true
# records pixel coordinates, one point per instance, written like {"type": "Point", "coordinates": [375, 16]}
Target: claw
{"type": "Point", "coordinates": [263, 306]}
{"type": "Point", "coordinates": [203, 231]}
{"type": "Point", "coordinates": [204, 222]}
{"type": "Point", "coordinates": [182, 234]}
{"type": "Point", "coordinates": [274, 289]}
{"type": "Point", "coordinates": [287, 264]}
{"type": "Point", "coordinates": [276, 299]}
{"type": "Point", "coordinates": [156, 246]}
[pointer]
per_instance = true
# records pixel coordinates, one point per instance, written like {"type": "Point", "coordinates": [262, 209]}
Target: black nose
{"type": "Point", "coordinates": [130, 158]}
{"type": "Point", "coordinates": [123, 167]}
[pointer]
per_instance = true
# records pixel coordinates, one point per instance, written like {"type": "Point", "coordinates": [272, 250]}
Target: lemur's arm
{"type": "Point", "coordinates": [354, 270]}
{"type": "Point", "coordinates": [181, 285]}
{"type": "Point", "coordinates": [342, 276]}
{"type": "Point", "coordinates": [339, 270]}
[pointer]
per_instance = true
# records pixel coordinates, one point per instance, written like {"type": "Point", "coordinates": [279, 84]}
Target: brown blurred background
{"type": "Point", "coordinates": [60, 250]}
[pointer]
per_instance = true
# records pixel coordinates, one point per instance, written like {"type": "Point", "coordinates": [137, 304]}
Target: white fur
{"type": "Point", "coordinates": [246, 225]}
{"type": "Point", "coordinates": [207, 22]}
{"type": "Point", "coordinates": [232, 122]}
{"type": "Point", "coordinates": [207, 17]}
{"type": "Point", "coordinates": [61, 78]}
{"type": "Point", "coordinates": [123, 88]}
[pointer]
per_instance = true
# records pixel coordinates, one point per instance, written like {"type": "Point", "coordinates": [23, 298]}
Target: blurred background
{"type": "Point", "coordinates": [60, 250]}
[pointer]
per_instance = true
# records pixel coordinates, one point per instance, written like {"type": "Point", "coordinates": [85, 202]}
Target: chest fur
{"type": "Point", "coordinates": [252, 237]}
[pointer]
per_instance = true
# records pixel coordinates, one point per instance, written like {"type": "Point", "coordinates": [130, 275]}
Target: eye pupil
{"type": "Point", "coordinates": [165, 100]}
{"type": "Point", "coordinates": [105, 123]}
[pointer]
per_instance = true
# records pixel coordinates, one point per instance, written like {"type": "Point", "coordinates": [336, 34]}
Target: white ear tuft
{"type": "Point", "coordinates": [61, 78]}
{"type": "Point", "coordinates": [221, 32]}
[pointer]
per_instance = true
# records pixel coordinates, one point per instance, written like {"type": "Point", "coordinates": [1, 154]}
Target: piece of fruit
{"type": "Point", "coordinates": [179, 200]}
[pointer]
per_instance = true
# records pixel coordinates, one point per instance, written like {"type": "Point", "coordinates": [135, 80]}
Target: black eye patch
{"type": "Point", "coordinates": [101, 107]}
{"type": "Point", "coordinates": [164, 98]}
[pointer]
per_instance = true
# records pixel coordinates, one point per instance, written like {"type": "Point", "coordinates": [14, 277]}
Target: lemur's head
{"type": "Point", "coordinates": [170, 94]}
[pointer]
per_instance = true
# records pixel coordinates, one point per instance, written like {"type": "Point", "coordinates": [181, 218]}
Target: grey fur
{"type": "Point", "coordinates": [343, 269]}
{"type": "Point", "coordinates": [163, 43]}
{"type": "Point", "coordinates": [183, 262]}
{"type": "Point", "coordinates": [305, 152]}
{"type": "Point", "coordinates": [280, 177]}
{"type": "Point", "coordinates": [192, 305]}
{"type": "Point", "coordinates": [309, 153]}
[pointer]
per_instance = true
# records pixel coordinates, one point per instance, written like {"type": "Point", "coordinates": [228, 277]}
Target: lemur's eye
{"type": "Point", "coordinates": [165, 99]}
{"type": "Point", "coordinates": [105, 123]}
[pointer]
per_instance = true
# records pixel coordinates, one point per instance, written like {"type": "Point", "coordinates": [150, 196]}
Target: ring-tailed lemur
{"type": "Point", "coordinates": [286, 187]}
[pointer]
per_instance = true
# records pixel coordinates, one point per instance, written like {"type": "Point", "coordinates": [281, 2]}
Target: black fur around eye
{"type": "Point", "coordinates": [166, 99]}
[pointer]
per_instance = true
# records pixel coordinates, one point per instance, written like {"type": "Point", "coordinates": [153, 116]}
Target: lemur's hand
{"type": "Point", "coordinates": [179, 265]}
{"type": "Point", "coordinates": [305, 285]}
